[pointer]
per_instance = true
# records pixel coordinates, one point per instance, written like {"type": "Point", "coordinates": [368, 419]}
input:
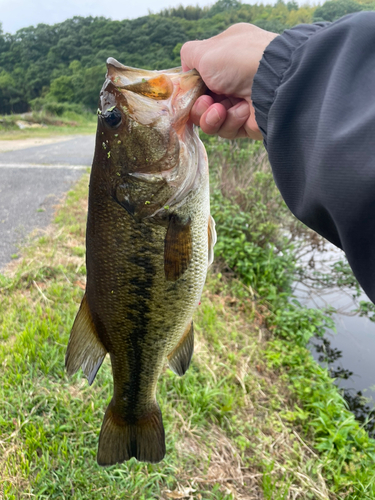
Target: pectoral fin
{"type": "Point", "coordinates": [85, 349]}
{"type": "Point", "coordinates": [211, 239]}
{"type": "Point", "coordinates": [179, 359]}
{"type": "Point", "coordinates": [178, 248]}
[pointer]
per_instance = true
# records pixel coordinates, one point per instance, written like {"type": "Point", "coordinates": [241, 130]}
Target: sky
{"type": "Point", "coordinates": [16, 14]}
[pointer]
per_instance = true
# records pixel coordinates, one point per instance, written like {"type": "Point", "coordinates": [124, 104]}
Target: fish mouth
{"type": "Point", "coordinates": [171, 89]}
{"type": "Point", "coordinates": [154, 148]}
{"type": "Point", "coordinates": [191, 86]}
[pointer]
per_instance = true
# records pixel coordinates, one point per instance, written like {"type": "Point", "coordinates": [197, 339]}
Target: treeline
{"type": "Point", "coordinates": [46, 65]}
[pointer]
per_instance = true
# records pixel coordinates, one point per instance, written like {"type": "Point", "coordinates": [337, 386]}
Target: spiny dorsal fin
{"type": "Point", "coordinates": [178, 248]}
{"type": "Point", "coordinates": [179, 359]}
{"type": "Point", "coordinates": [85, 349]}
{"type": "Point", "coordinates": [211, 239]}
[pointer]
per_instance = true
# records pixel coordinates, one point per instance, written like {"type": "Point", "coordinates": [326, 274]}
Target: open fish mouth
{"type": "Point", "coordinates": [144, 121]}
{"type": "Point", "coordinates": [170, 88]}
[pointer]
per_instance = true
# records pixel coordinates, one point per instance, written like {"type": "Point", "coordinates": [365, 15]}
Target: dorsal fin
{"type": "Point", "coordinates": [85, 349]}
{"type": "Point", "coordinates": [179, 359]}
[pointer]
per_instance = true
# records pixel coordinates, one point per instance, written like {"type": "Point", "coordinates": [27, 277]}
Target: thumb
{"type": "Point", "coordinates": [190, 55]}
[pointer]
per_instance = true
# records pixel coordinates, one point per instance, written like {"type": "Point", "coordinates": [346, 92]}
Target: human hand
{"type": "Point", "coordinates": [227, 64]}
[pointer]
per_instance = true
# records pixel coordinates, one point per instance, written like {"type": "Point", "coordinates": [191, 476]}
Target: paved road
{"type": "Point", "coordinates": [32, 180]}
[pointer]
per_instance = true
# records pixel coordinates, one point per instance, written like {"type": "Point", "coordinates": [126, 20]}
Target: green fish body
{"type": "Point", "coordinates": [149, 242]}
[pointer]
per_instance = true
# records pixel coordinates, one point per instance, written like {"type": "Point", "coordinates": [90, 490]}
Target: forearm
{"type": "Point", "coordinates": [314, 96]}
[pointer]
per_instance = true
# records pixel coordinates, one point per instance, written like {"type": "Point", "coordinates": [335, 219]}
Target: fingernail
{"type": "Point", "coordinates": [201, 107]}
{"type": "Point", "coordinates": [212, 117]}
{"type": "Point", "coordinates": [242, 111]}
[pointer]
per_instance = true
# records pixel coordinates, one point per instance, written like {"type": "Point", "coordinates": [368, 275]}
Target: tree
{"type": "Point", "coordinates": [66, 62]}
{"type": "Point", "coordinates": [11, 98]}
{"type": "Point", "coordinates": [222, 6]}
{"type": "Point", "coordinates": [334, 9]}
{"type": "Point", "coordinates": [61, 89]}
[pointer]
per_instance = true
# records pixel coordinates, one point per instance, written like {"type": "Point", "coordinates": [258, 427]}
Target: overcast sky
{"type": "Point", "coordinates": [16, 14]}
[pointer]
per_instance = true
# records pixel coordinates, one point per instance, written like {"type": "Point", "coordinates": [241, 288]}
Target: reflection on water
{"type": "Point", "coordinates": [348, 353]}
{"type": "Point", "coordinates": [357, 403]}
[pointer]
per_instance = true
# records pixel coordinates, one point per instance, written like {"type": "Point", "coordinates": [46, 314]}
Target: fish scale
{"type": "Point", "coordinates": [149, 243]}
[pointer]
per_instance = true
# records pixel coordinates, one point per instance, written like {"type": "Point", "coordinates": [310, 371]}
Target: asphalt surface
{"type": "Point", "coordinates": [32, 181]}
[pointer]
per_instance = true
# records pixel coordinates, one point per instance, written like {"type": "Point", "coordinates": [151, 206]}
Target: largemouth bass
{"type": "Point", "coordinates": [149, 242]}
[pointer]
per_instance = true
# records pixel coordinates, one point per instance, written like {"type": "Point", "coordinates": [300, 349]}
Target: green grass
{"type": "Point", "coordinates": [221, 418]}
{"type": "Point", "coordinates": [346, 452]}
{"type": "Point", "coordinates": [254, 417]}
{"type": "Point", "coordinates": [68, 123]}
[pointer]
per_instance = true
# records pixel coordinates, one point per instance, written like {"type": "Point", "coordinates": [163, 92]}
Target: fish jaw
{"type": "Point", "coordinates": [145, 138]}
{"type": "Point", "coordinates": [172, 91]}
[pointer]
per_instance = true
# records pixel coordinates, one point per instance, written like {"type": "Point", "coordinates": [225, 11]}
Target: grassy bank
{"type": "Point", "coordinates": [253, 418]}
{"type": "Point", "coordinates": [260, 244]}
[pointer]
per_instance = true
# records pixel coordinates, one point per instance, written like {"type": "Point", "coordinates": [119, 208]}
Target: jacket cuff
{"type": "Point", "coordinates": [275, 61]}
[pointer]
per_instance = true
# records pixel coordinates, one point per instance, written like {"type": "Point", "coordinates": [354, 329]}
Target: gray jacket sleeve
{"type": "Point", "coordinates": [314, 96]}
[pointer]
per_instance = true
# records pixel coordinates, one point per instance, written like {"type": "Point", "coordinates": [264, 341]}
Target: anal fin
{"type": "Point", "coordinates": [179, 359]}
{"type": "Point", "coordinates": [85, 349]}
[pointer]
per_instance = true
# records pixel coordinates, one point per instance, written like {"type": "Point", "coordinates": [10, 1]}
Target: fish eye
{"type": "Point", "coordinates": [112, 117]}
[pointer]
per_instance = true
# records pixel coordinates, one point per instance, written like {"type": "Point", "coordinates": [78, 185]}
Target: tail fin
{"type": "Point", "coordinates": [120, 440]}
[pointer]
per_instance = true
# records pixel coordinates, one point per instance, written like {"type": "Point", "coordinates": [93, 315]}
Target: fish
{"type": "Point", "coordinates": [149, 243]}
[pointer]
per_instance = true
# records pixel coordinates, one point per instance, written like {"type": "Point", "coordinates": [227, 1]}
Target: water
{"type": "Point", "coordinates": [349, 352]}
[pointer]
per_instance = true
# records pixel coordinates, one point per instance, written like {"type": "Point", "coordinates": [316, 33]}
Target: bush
{"type": "Point", "coordinates": [258, 237]}
{"type": "Point", "coordinates": [41, 104]}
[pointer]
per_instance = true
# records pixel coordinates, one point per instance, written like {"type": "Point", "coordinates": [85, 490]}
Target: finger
{"type": "Point", "coordinates": [241, 133]}
{"type": "Point", "coordinates": [251, 125]}
{"type": "Point", "coordinates": [185, 66]}
{"type": "Point", "coordinates": [235, 120]}
{"type": "Point", "coordinates": [189, 54]}
{"type": "Point", "coordinates": [228, 102]}
{"type": "Point", "coordinates": [213, 118]}
{"type": "Point", "coordinates": [201, 105]}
